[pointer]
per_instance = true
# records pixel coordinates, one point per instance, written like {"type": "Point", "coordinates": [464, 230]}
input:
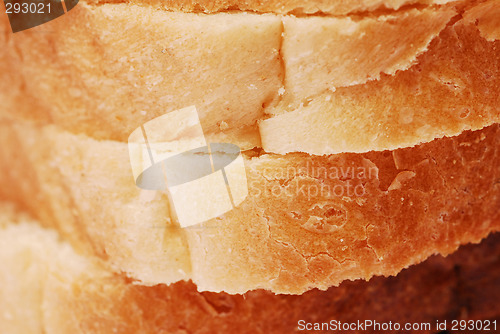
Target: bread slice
{"type": "Point", "coordinates": [84, 188]}
{"type": "Point", "coordinates": [48, 288]}
{"type": "Point", "coordinates": [121, 65]}
{"type": "Point", "coordinates": [324, 53]}
{"type": "Point", "coordinates": [452, 87]}
{"type": "Point", "coordinates": [313, 222]}
{"type": "Point", "coordinates": [34, 261]}
{"type": "Point", "coordinates": [464, 286]}
{"type": "Point", "coordinates": [299, 7]}
{"type": "Point", "coordinates": [309, 221]}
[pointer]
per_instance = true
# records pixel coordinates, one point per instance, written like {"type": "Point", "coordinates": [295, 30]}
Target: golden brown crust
{"type": "Point", "coordinates": [453, 87]}
{"type": "Point", "coordinates": [414, 201]}
{"type": "Point", "coordinates": [437, 289]}
{"type": "Point", "coordinates": [120, 68]}
{"type": "Point", "coordinates": [76, 296]}
{"type": "Point", "coordinates": [308, 221]}
{"type": "Point", "coordinates": [316, 221]}
{"type": "Point", "coordinates": [463, 286]}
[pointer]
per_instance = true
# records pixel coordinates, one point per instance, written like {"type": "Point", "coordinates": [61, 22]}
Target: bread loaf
{"type": "Point", "coordinates": [75, 88]}
{"type": "Point", "coordinates": [370, 135]}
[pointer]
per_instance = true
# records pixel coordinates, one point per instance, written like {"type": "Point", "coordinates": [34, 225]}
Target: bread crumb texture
{"type": "Point", "coordinates": [49, 288]}
{"type": "Point", "coordinates": [73, 89]}
{"type": "Point", "coordinates": [452, 87]}
{"type": "Point", "coordinates": [284, 83]}
{"type": "Point", "coordinates": [309, 221]}
{"type": "Point", "coordinates": [316, 221]}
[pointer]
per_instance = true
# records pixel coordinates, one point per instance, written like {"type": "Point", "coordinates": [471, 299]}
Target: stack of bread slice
{"type": "Point", "coordinates": [47, 287]}
{"type": "Point", "coordinates": [369, 132]}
